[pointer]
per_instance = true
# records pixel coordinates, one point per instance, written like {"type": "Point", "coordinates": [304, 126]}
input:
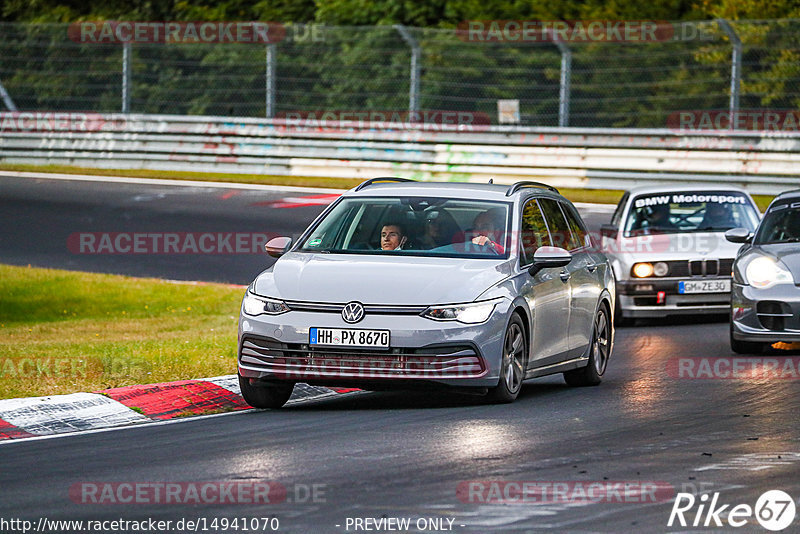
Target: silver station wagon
{"type": "Point", "coordinates": [401, 284]}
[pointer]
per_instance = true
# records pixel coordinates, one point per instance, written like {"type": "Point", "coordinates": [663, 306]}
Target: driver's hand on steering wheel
{"type": "Point", "coordinates": [484, 241]}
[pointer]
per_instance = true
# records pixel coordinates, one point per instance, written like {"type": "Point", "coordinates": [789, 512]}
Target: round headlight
{"type": "Point", "coordinates": [660, 269]}
{"type": "Point", "coordinates": [643, 270]}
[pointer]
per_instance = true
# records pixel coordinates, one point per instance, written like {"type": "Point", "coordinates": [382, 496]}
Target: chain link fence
{"type": "Point", "coordinates": [555, 80]}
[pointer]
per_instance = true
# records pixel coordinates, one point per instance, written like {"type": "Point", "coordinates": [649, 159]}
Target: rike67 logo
{"type": "Point", "coordinates": [774, 510]}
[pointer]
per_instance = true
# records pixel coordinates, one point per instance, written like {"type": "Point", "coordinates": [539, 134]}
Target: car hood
{"type": "Point", "coordinates": [665, 247]}
{"type": "Point", "coordinates": [339, 278]}
{"type": "Point", "coordinates": [788, 254]}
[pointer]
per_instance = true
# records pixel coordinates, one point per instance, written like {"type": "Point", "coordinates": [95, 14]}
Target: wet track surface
{"type": "Point", "coordinates": [401, 455]}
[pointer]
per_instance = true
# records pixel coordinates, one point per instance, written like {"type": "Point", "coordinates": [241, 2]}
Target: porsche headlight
{"type": "Point", "coordinates": [256, 305]}
{"type": "Point", "coordinates": [472, 313]}
{"type": "Point", "coordinates": [764, 272]}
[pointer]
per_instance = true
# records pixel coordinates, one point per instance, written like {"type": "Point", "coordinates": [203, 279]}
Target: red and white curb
{"type": "Point", "coordinates": [60, 414]}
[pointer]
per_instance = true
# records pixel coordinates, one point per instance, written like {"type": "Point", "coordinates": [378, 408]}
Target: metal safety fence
{"type": "Point", "coordinates": [531, 73]}
{"type": "Point", "coordinates": [764, 162]}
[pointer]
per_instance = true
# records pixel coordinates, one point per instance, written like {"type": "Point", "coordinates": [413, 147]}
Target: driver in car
{"type": "Point", "coordinates": [717, 215]}
{"type": "Point", "coordinates": [488, 226]}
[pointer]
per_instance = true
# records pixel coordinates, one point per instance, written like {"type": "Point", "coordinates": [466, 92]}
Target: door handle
{"type": "Point", "coordinates": [564, 276]}
{"type": "Point", "coordinates": [592, 267]}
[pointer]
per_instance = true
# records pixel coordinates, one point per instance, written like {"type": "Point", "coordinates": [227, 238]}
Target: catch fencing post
{"type": "Point", "coordinates": [564, 84]}
{"type": "Point", "coordinates": [126, 77]}
{"type": "Point", "coordinates": [270, 81]}
{"type": "Point", "coordinates": [736, 68]}
{"type": "Point", "coordinates": [413, 91]}
{"type": "Point", "coordinates": [7, 98]}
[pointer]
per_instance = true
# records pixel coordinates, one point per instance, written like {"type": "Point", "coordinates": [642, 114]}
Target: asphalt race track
{"type": "Point", "coordinates": [414, 456]}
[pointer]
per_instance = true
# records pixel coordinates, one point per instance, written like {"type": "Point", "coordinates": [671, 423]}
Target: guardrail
{"type": "Point", "coordinates": [763, 162]}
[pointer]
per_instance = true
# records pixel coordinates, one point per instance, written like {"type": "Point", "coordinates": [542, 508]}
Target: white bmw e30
{"type": "Point", "coordinates": [668, 250]}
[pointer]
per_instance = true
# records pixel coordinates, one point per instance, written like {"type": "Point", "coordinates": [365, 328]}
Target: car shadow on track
{"type": "Point", "coordinates": [676, 320]}
{"type": "Point", "coordinates": [432, 399]}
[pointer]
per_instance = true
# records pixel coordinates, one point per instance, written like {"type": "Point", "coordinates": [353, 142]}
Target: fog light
{"type": "Point", "coordinates": [661, 297]}
{"type": "Point", "coordinates": [644, 287]}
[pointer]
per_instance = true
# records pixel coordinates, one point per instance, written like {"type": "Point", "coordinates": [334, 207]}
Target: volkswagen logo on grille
{"type": "Point", "coordinates": [353, 312]}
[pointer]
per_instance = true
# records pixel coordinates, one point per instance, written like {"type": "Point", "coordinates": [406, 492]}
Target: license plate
{"type": "Point", "coordinates": [345, 337]}
{"type": "Point", "coordinates": [704, 286]}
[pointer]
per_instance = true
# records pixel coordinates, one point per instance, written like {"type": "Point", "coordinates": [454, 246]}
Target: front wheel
{"type": "Point", "coordinates": [745, 347]}
{"type": "Point", "coordinates": [599, 353]}
{"type": "Point", "coordinates": [512, 365]}
{"type": "Point", "coordinates": [265, 396]}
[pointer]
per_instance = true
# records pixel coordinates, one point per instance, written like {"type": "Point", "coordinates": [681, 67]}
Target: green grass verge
{"type": "Point", "coordinates": [600, 196]}
{"type": "Point", "coordinates": [65, 332]}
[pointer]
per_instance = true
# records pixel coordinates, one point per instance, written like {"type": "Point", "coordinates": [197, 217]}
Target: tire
{"type": "Point", "coordinates": [513, 364]}
{"type": "Point", "coordinates": [599, 353]}
{"type": "Point", "coordinates": [265, 396]}
{"type": "Point", "coordinates": [746, 347]}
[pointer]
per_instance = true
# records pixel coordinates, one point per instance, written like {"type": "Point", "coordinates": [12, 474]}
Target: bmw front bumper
{"type": "Point", "coordinates": [638, 299]}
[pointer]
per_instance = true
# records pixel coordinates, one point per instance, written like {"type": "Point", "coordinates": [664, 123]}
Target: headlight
{"type": "Point", "coordinates": [256, 305]}
{"type": "Point", "coordinates": [660, 269]}
{"type": "Point", "coordinates": [764, 272]}
{"type": "Point", "coordinates": [473, 313]}
{"type": "Point", "coordinates": [642, 270]}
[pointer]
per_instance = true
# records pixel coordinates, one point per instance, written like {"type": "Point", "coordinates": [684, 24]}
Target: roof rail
{"type": "Point", "coordinates": [382, 179]}
{"type": "Point", "coordinates": [519, 185]}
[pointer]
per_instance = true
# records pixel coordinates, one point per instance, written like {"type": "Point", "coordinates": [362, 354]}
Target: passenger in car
{"type": "Point", "coordinates": [659, 218]}
{"type": "Point", "coordinates": [438, 231]}
{"type": "Point", "coordinates": [393, 236]}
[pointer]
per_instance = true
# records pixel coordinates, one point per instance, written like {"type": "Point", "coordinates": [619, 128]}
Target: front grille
{"type": "Point", "coordinates": [301, 362]}
{"type": "Point", "coordinates": [334, 307]}
{"type": "Point", "coordinates": [713, 267]}
{"type": "Point", "coordinates": [773, 314]}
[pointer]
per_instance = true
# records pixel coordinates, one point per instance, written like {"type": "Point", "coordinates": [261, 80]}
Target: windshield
{"type": "Point", "coordinates": [415, 226]}
{"type": "Point", "coordinates": [672, 213]}
{"type": "Point", "coordinates": [781, 225]}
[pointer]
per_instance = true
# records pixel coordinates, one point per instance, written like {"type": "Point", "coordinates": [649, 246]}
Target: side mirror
{"type": "Point", "coordinates": [609, 230]}
{"type": "Point", "coordinates": [549, 257]}
{"type": "Point", "coordinates": [278, 246]}
{"type": "Point", "coordinates": [739, 235]}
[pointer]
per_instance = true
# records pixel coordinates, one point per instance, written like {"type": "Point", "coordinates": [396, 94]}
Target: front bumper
{"type": "Point", "coordinates": [766, 315]}
{"type": "Point", "coordinates": [276, 348]}
{"type": "Point", "coordinates": [635, 302]}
